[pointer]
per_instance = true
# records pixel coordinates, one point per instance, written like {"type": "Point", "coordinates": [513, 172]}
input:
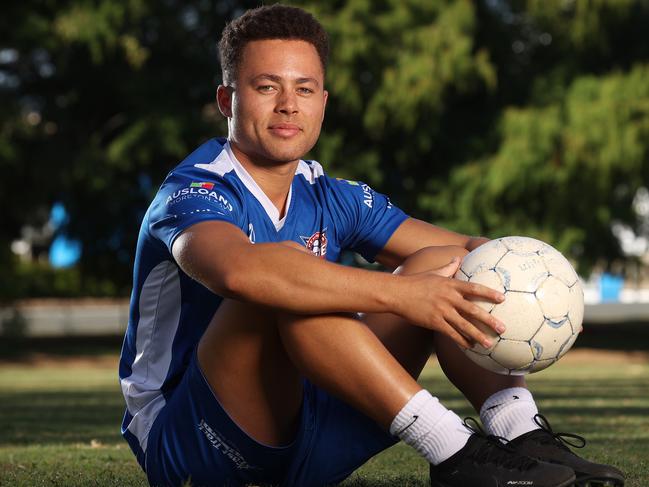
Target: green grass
{"type": "Point", "coordinates": [59, 425]}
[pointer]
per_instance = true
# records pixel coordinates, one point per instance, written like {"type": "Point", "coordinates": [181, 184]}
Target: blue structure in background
{"type": "Point", "coordinates": [64, 252]}
{"type": "Point", "coordinates": [610, 287]}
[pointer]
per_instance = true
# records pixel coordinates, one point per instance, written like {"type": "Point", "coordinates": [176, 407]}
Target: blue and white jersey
{"type": "Point", "coordinates": [169, 311]}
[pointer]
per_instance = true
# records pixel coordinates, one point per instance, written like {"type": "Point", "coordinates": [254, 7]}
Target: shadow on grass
{"type": "Point", "coordinates": [619, 336]}
{"type": "Point", "coordinates": [18, 348]}
{"type": "Point", "coordinates": [79, 416]}
{"type": "Point", "coordinates": [549, 391]}
{"type": "Point", "coordinates": [60, 417]}
{"type": "Point", "coordinates": [579, 390]}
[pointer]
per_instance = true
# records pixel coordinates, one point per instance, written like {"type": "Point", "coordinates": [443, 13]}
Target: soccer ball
{"type": "Point", "coordinates": [543, 308]}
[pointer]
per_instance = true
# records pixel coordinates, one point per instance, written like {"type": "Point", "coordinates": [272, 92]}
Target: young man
{"type": "Point", "coordinates": [245, 360]}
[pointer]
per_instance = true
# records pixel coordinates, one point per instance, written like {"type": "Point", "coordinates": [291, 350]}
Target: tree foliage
{"type": "Point", "coordinates": [497, 117]}
{"type": "Point", "coordinates": [563, 171]}
{"type": "Point", "coordinates": [493, 117]}
{"type": "Point", "coordinates": [100, 99]}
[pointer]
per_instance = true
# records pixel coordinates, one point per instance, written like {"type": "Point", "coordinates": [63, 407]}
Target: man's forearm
{"type": "Point", "coordinates": [275, 275]}
{"type": "Point", "coordinates": [278, 276]}
{"type": "Point", "coordinates": [414, 235]}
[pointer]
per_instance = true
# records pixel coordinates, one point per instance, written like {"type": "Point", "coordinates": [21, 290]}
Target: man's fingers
{"type": "Point", "coordinates": [469, 330]}
{"type": "Point", "coordinates": [449, 269]}
{"type": "Point", "coordinates": [478, 290]}
{"type": "Point", "coordinates": [477, 313]}
{"type": "Point", "coordinates": [456, 337]}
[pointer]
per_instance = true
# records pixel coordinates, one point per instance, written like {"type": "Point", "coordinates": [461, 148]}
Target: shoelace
{"type": "Point", "coordinates": [560, 439]}
{"type": "Point", "coordinates": [496, 451]}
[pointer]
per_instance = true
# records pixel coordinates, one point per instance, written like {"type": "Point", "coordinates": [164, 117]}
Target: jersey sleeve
{"type": "Point", "coordinates": [368, 219]}
{"type": "Point", "coordinates": [183, 201]}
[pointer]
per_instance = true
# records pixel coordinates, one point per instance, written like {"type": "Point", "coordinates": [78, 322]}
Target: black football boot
{"type": "Point", "coordinates": [548, 446]}
{"type": "Point", "coordinates": [487, 461]}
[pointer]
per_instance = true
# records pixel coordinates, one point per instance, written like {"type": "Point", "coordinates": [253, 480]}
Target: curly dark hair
{"type": "Point", "coordinates": [269, 22]}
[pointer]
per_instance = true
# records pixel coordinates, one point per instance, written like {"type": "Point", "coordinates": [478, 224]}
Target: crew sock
{"type": "Point", "coordinates": [509, 413]}
{"type": "Point", "coordinates": [431, 429]}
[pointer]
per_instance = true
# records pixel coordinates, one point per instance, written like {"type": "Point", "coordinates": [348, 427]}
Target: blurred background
{"type": "Point", "coordinates": [488, 117]}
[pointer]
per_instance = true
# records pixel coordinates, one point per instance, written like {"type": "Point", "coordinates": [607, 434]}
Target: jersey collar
{"type": "Point", "coordinates": [253, 187]}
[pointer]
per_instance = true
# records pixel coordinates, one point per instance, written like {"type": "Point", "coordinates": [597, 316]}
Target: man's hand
{"type": "Point", "coordinates": [436, 301]}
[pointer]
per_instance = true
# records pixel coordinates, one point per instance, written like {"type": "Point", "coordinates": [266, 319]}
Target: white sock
{"type": "Point", "coordinates": [431, 429]}
{"type": "Point", "coordinates": [509, 413]}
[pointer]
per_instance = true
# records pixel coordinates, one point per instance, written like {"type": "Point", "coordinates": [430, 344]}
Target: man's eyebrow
{"type": "Point", "coordinates": [307, 80]}
{"type": "Point", "coordinates": [270, 77]}
{"type": "Point", "coordinates": [277, 79]}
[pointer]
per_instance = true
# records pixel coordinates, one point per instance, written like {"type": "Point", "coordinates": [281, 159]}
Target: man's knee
{"type": "Point", "coordinates": [430, 258]}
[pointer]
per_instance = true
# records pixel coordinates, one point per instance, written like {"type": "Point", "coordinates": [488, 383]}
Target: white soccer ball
{"type": "Point", "coordinates": [543, 308]}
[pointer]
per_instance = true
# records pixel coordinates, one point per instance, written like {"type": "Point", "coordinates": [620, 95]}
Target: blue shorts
{"type": "Point", "coordinates": [193, 438]}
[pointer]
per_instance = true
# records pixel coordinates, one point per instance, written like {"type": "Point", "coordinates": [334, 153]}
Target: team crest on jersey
{"type": "Point", "coordinates": [316, 243]}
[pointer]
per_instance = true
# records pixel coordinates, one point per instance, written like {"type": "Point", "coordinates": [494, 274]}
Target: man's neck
{"type": "Point", "coordinates": [274, 179]}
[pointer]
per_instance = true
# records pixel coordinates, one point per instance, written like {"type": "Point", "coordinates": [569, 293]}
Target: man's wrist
{"type": "Point", "coordinates": [388, 292]}
{"type": "Point", "coordinates": [475, 242]}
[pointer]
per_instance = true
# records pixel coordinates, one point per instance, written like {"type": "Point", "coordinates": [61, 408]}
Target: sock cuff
{"type": "Point", "coordinates": [505, 395]}
{"type": "Point", "coordinates": [422, 407]}
{"type": "Point", "coordinates": [435, 432]}
{"type": "Point", "coordinates": [447, 437]}
{"type": "Point", "coordinates": [509, 413]}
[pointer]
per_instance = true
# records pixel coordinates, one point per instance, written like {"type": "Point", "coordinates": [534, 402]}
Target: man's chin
{"type": "Point", "coordinates": [280, 155]}
{"type": "Point", "coordinates": [274, 153]}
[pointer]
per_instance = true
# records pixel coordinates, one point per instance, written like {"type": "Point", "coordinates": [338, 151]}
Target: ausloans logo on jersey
{"type": "Point", "coordinates": [368, 193]}
{"type": "Point", "coordinates": [198, 189]}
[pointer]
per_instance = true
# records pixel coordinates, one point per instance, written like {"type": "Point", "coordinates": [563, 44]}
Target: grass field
{"type": "Point", "coordinates": [59, 420]}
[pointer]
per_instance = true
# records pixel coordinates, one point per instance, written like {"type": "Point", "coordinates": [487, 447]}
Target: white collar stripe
{"type": "Point", "coordinates": [226, 161]}
{"type": "Point", "coordinates": [253, 187]}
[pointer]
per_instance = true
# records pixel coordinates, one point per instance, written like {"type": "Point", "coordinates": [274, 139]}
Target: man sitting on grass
{"type": "Point", "coordinates": [252, 357]}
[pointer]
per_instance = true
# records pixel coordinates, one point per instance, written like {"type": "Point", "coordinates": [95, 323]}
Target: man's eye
{"type": "Point", "coordinates": [305, 91]}
{"type": "Point", "coordinates": [265, 88]}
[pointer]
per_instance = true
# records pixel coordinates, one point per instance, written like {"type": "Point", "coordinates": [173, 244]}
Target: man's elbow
{"type": "Point", "coordinates": [232, 284]}
{"type": "Point", "coordinates": [223, 281]}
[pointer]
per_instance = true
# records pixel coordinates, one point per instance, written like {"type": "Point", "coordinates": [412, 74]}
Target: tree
{"type": "Point", "coordinates": [503, 118]}
{"type": "Point", "coordinates": [492, 117]}
{"type": "Point", "coordinates": [98, 100]}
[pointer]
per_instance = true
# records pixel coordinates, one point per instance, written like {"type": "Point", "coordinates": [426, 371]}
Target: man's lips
{"type": "Point", "coordinates": [284, 129]}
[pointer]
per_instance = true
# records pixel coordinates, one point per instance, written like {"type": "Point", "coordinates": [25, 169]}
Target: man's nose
{"type": "Point", "coordinates": [287, 102]}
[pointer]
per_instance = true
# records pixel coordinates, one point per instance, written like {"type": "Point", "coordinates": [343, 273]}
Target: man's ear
{"type": "Point", "coordinates": [326, 97]}
{"type": "Point", "coordinates": [224, 100]}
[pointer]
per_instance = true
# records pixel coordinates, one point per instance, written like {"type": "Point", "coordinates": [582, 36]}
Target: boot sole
{"type": "Point", "coordinates": [567, 483]}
